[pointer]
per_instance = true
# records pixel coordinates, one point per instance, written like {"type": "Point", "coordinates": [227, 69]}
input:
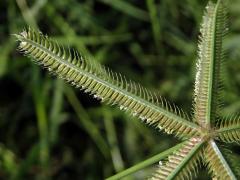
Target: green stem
{"type": "Point", "coordinates": [42, 120]}
{"type": "Point", "coordinates": [112, 140]}
{"type": "Point", "coordinates": [128, 9]}
{"type": "Point", "coordinates": [146, 163]}
{"type": "Point", "coordinates": [152, 8]}
{"type": "Point", "coordinates": [56, 116]}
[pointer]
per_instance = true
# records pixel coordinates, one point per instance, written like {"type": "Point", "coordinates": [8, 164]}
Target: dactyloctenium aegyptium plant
{"type": "Point", "coordinates": [199, 134]}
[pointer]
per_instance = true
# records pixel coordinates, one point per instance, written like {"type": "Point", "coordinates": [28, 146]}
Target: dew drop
{"type": "Point", "coordinates": [22, 44]}
{"type": "Point", "coordinates": [142, 118]}
{"type": "Point", "coordinates": [160, 127]}
{"type": "Point", "coordinates": [168, 131]}
{"type": "Point", "coordinates": [135, 114]}
{"type": "Point", "coordinates": [149, 120]}
{"type": "Point", "coordinates": [160, 163]}
{"type": "Point", "coordinates": [97, 97]}
{"type": "Point", "coordinates": [24, 34]}
{"type": "Point", "coordinates": [123, 108]}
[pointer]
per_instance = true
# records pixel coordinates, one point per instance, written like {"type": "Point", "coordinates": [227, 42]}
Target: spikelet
{"type": "Point", "coordinates": [105, 85]}
{"type": "Point", "coordinates": [183, 164]}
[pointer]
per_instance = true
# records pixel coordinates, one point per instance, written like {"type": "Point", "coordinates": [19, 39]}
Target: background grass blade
{"type": "Point", "coordinates": [127, 8]}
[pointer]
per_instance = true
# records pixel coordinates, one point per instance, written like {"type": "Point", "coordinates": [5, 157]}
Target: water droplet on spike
{"type": "Point", "coordinates": [135, 114]}
{"type": "Point", "coordinates": [142, 118]}
{"type": "Point", "coordinates": [96, 96]}
{"type": "Point", "coordinates": [149, 120]}
{"type": "Point", "coordinates": [50, 69]}
{"type": "Point", "coordinates": [168, 131]}
{"type": "Point", "coordinates": [24, 34]}
{"type": "Point", "coordinates": [22, 44]}
{"type": "Point", "coordinates": [122, 107]}
{"type": "Point", "coordinates": [160, 163]}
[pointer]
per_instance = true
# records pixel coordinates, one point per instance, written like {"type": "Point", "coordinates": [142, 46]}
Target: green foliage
{"type": "Point", "coordinates": [152, 42]}
{"type": "Point", "coordinates": [199, 134]}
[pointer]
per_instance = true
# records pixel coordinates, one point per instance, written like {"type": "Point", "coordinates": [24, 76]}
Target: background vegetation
{"type": "Point", "coordinates": [49, 130]}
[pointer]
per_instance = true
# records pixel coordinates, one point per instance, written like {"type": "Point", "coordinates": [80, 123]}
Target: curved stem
{"type": "Point", "coordinates": [146, 163]}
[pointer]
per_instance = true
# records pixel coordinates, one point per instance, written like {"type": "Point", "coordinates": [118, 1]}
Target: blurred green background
{"type": "Point", "coordinates": [49, 130]}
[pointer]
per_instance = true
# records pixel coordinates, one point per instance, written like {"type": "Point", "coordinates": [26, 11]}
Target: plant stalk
{"type": "Point", "coordinates": [146, 163]}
